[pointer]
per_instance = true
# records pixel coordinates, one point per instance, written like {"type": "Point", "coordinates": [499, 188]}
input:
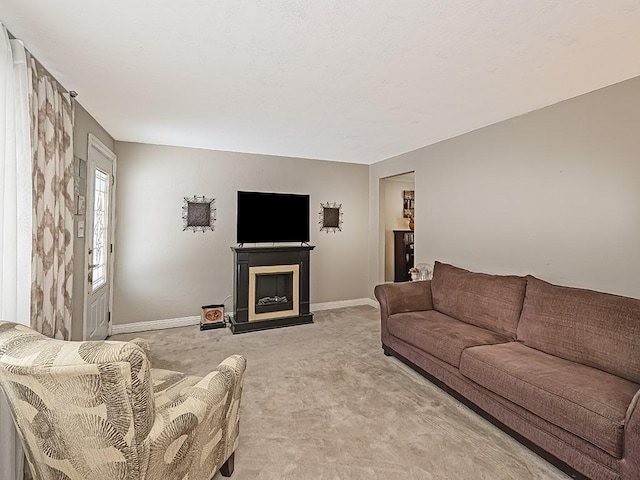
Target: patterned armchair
{"type": "Point", "coordinates": [96, 410]}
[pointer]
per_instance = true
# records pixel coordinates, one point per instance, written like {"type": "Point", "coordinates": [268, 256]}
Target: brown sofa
{"type": "Point", "coordinates": [559, 367]}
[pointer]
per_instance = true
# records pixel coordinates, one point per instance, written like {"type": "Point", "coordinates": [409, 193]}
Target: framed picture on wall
{"type": "Point", "coordinates": [408, 197]}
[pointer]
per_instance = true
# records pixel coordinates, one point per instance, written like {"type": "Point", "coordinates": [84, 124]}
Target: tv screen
{"type": "Point", "coordinates": [272, 217]}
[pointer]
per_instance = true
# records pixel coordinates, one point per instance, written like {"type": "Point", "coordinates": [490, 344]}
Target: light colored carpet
{"type": "Point", "coordinates": [321, 401]}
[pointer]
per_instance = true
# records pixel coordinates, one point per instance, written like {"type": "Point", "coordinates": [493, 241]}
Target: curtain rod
{"type": "Point", "coordinates": [72, 93]}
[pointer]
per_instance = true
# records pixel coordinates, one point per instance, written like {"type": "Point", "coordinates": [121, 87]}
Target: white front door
{"type": "Point", "coordinates": [99, 213]}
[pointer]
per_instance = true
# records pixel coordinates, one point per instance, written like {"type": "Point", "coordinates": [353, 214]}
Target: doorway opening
{"type": "Point", "coordinates": [397, 212]}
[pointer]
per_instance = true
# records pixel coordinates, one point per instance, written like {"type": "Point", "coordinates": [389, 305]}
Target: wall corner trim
{"type": "Point", "coordinates": [195, 320]}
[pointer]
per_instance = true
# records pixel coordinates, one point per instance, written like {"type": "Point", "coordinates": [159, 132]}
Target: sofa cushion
{"type": "Point", "coordinates": [592, 328]}
{"type": "Point", "coordinates": [488, 301]}
{"type": "Point", "coordinates": [440, 335]}
{"type": "Point", "coordinates": [585, 401]}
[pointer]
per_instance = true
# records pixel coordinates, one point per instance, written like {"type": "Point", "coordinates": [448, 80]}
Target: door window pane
{"type": "Point", "coordinates": [100, 230]}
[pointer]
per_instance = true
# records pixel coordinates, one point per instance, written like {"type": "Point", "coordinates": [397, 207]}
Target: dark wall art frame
{"type": "Point", "coordinates": [331, 217]}
{"type": "Point", "coordinates": [199, 213]}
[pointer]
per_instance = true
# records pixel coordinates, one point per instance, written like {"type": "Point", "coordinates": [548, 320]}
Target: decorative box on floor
{"type": "Point", "coordinates": [212, 317]}
{"type": "Point", "coordinates": [271, 287]}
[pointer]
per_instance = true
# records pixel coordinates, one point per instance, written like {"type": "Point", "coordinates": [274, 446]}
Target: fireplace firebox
{"type": "Point", "coordinates": [273, 292]}
{"type": "Point", "coordinates": [271, 287]}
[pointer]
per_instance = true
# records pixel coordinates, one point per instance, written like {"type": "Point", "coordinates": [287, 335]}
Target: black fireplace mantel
{"type": "Point", "coordinates": [245, 259]}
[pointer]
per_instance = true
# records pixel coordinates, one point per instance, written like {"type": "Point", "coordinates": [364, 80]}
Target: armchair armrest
{"type": "Point", "coordinates": [144, 345]}
{"type": "Point", "coordinates": [401, 298]}
{"type": "Point", "coordinates": [631, 454]}
{"type": "Point", "coordinates": [196, 432]}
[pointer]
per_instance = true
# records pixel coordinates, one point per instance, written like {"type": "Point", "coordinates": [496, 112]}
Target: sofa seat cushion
{"type": "Point", "coordinates": [440, 335]}
{"type": "Point", "coordinates": [493, 302]}
{"type": "Point", "coordinates": [585, 401]}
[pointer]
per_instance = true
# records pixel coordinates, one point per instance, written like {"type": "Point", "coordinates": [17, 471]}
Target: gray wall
{"type": "Point", "coordinates": [84, 124]}
{"type": "Point", "coordinates": [162, 272]}
{"type": "Point", "coordinates": [554, 193]}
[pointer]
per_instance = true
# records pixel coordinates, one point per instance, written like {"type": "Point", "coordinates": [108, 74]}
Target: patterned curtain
{"type": "Point", "coordinates": [53, 204]}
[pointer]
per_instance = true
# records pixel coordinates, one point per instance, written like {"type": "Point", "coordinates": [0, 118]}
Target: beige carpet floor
{"type": "Point", "coordinates": [321, 401]}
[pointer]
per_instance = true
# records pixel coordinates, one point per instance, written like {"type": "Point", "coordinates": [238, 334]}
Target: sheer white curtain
{"type": "Point", "coordinates": [15, 219]}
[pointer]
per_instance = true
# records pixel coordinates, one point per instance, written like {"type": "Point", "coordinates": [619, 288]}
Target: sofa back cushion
{"type": "Point", "coordinates": [592, 328]}
{"type": "Point", "coordinates": [493, 302]}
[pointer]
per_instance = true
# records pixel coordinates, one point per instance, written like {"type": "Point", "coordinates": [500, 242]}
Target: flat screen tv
{"type": "Point", "coordinates": [272, 217]}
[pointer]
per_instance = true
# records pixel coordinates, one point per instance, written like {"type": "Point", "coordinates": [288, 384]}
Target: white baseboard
{"type": "Point", "coordinates": [188, 321]}
{"type": "Point", "coordinates": [372, 303]}
{"type": "Point", "coordinates": [317, 307]}
{"type": "Point", "coordinates": [154, 325]}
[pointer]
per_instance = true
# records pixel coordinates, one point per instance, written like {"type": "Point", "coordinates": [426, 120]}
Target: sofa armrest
{"type": "Point", "coordinates": [404, 297]}
{"type": "Point", "coordinates": [207, 416]}
{"type": "Point", "coordinates": [631, 454]}
{"type": "Point", "coordinates": [401, 298]}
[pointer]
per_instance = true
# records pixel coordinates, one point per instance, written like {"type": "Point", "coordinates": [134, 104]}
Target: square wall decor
{"type": "Point", "coordinates": [330, 217]}
{"type": "Point", "coordinates": [199, 213]}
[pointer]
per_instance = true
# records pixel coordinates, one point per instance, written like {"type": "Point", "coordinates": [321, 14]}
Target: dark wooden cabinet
{"type": "Point", "coordinates": [403, 255]}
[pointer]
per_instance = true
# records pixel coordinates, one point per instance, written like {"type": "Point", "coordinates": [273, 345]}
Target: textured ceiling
{"type": "Point", "coordinates": [345, 80]}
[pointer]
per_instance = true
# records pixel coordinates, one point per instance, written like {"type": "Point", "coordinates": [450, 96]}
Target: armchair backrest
{"type": "Point", "coordinates": [83, 409]}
